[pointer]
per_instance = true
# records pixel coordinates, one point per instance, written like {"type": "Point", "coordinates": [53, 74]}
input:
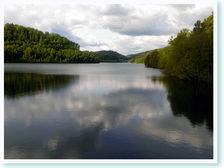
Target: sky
{"type": "Point", "coordinates": [125, 28]}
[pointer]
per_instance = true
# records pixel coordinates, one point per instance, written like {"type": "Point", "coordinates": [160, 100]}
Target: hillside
{"type": "Point", "coordinates": [110, 56]}
{"type": "Point", "coordinates": [189, 56]}
{"type": "Point", "coordinates": [24, 44]}
{"type": "Point", "coordinates": [140, 57]}
{"type": "Point", "coordinates": [131, 57]}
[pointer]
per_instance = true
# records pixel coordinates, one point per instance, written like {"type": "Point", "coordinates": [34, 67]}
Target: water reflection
{"type": "Point", "coordinates": [194, 101]}
{"type": "Point", "coordinates": [20, 84]}
{"type": "Point", "coordinates": [133, 121]}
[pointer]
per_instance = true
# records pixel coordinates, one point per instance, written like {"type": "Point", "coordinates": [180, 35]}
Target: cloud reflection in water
{"type": "Point", "coordinates": [100, 117]}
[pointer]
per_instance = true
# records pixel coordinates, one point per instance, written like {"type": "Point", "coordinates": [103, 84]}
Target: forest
{"type": "Point", "coordinates": [189, 55]}
{"type": "Point", "coordinates": [110, 56]}
{"type": "Point", "coordinates": [28, 45]}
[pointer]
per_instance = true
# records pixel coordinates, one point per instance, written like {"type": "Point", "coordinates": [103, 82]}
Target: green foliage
{"type": "Point", "coordinates": [163, 57]}
{"type": "Point", "coordinates": [139, 59]}
{"type": "Point", "coordinates": [110, 56]}
{"type": "Point", "coordinates": [131, 60]}
{"type": "Point", "coordinates": [189, 55]}
{"type": "Point", "coordinates": [151, 59]}
{"type": "Point", "coordinates": [131, 57]}
{"type": "Point", "coordinates": [22, 44]}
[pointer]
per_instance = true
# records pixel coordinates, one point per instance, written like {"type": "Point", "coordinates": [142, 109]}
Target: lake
{"type": "Point", "coordinates": [104, 111]}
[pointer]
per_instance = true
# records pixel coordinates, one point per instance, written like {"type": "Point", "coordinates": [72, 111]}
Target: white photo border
{"type": "Point", "coordinates": [213, 161]}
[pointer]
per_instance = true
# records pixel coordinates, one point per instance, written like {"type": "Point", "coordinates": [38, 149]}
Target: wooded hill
{"type": "Point", "coordinates": [24, 44]}
{"type": "Point", "coordinates": [189, 55]}
{"type": "Point", "coordinates": [136, 58]}
{"type": "Point", "coordinates": [110, 56]}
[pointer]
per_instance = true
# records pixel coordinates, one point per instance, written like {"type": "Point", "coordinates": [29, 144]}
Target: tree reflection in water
{"type": "Point", "coordinates": [20, 84]}
{"type": "Point", "coordinates": [194, 101]}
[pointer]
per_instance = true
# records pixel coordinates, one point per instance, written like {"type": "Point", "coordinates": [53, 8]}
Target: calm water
{"type": "Point", "coordinates": [104, 111]}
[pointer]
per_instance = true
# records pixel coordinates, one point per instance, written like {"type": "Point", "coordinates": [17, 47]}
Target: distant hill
{"type": "Point", "coordinates": [132, 56]}
{"type": "Point", "coordinates": [110, 56]}
{"type": "Point", "coordinates": [139, 57]}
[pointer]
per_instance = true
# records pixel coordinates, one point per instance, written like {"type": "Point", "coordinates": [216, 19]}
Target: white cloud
{"type": "Point", "coordinates": [123, 28]}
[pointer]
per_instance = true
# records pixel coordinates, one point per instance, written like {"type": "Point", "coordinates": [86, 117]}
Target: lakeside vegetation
{"type": "Point", "coordinates": [28, 45]}
{"type": "Point", "coordinates": [188, 56]}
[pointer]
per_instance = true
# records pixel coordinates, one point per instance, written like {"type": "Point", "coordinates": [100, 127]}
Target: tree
{"type": "Point", "coordinates": [27, 54]}
{"type": "Point", "coordinates": [151, 59]}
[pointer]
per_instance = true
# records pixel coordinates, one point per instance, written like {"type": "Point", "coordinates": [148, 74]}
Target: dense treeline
{"type": "Point", "coordinates": [189, 55]}
{"type": "Point", "coordinates": [110, 56]}
{"type": "Point", "coordinates": [151, 60]}
{"type": "Point", "coordinates": [22, 44]}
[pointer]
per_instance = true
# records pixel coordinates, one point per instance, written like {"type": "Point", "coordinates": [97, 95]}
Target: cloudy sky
{"type": "Point", "coordinates": [125, 28]}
